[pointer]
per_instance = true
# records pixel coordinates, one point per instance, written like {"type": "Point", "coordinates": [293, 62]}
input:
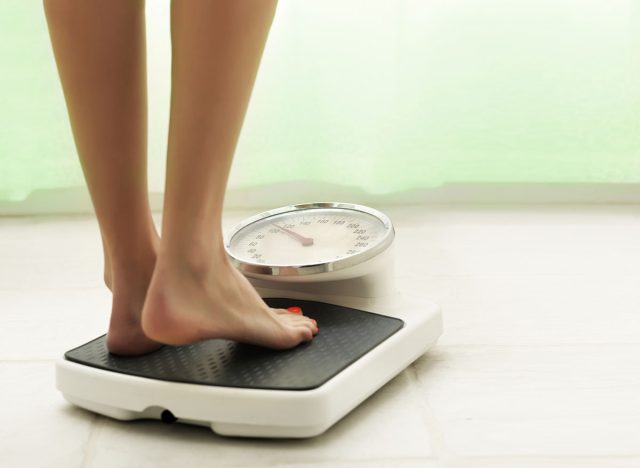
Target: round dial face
{"type": "Point", "coordinates": [310, 236]}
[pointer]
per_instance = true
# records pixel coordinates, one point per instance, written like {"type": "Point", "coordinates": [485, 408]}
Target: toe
{"type": "Point", "coordinates": [309, 324]}
{"type": "Point", "coordinates": [291, 318]}
{"type": "Point", "coordinates": [293, 310]}
{"type": "Point", "coordinates": [304, 333]}
{"type": "Point", "coordinates": [295, 320]}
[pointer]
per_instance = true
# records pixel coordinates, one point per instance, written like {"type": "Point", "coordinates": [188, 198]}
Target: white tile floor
{"type": "Point", "coordinates": [539, 365]}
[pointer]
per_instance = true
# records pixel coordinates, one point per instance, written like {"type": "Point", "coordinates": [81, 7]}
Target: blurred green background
{"type": "Point", "coordinates": [378, 95]}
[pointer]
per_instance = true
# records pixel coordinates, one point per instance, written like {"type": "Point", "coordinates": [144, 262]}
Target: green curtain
{"type": "Point", "coordinates": [385, 96]}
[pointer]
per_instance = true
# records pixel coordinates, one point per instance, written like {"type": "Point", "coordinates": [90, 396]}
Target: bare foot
{"type": "Point", "coordinates": [125, 336]}
{"type": "Point", "coordinates": [185, 305]}
{"type": "Point", "coordinates": [129, 287]}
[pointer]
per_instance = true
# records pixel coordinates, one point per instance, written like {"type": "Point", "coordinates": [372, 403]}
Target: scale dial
{"type": "Point", "coordinates": [309, 239]}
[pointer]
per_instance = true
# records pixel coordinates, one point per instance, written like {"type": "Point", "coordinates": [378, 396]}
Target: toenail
{"type": "Point", "coordinates": [295, 310]}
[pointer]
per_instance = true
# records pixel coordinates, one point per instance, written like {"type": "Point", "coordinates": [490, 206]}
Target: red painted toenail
{"type": "Point", "coordinates": [295, 310]}
{"type": "Point", "coordinates": [315, 323]}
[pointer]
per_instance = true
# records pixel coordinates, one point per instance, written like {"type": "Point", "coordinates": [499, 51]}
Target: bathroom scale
{"type": "Point", "coordinates": [331, 260]}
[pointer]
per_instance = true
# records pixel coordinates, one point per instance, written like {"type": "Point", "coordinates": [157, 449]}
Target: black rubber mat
{"type": "Point", "coordinates": [345, 336]}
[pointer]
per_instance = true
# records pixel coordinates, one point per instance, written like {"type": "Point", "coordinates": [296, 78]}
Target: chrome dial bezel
{"type": "Point", "coordinates": [344, 263]}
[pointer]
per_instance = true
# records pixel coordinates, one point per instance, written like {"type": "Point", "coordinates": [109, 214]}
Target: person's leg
{"type": "Point", "coordinates": [195, 292]}
{"type": "Point", "coordinates": [107, 263]}
{"type": "Point", "coordinates": [99, 47]}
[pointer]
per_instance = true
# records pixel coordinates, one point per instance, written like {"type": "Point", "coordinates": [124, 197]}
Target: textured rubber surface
{"type": "Point", "coordinates": [345, 336]}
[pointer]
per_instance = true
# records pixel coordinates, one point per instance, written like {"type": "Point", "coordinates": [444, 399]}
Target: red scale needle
{"type": "Point", "coordinates": [303, 240]}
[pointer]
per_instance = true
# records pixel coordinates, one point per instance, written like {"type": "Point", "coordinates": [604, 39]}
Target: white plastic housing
{"type": "Point", "coordinates": [263, 413]}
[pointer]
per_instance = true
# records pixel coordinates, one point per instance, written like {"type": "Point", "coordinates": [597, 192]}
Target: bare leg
{"type": "Point", "coordinates": [100, 51]}
{"type": "Point", "coordinates": [195, 292]}
{"type": "Point", "coordinates": [107, 263]}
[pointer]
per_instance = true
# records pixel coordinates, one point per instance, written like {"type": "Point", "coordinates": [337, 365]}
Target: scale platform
{"type": "Point", "coordinates": [244, 390]}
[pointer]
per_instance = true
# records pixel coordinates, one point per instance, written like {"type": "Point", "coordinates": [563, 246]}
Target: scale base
{"type": "Point", "coordinates": [244, 390]}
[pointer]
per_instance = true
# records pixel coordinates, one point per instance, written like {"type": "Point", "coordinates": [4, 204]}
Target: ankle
{"type": "Point", "coordinates": [198, 259]}
{"type": "Point", "coordinates": [134, 270]}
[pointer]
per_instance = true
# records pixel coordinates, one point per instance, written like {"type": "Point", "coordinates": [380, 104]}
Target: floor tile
{"type": "Point", "coordinates": [50, 253]}
{"type": "Point", "coordinates": [534, 400]}
{"type": "Point", "coordinates": [546, 462]}
{"type": "Point", "coordinates": [536, 310]}
{"type": "Point", "coordinates": [45, 324]}
{"type": "Point", "coordinates": [40, 429]}
{"type": "Point", "coordinates": [388, 463]}
{"type": "Point", "coordinates": [519, 240]}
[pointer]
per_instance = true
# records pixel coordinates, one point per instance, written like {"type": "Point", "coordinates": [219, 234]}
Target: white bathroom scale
{"type": "Point", "coordinates": [368, 334]}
